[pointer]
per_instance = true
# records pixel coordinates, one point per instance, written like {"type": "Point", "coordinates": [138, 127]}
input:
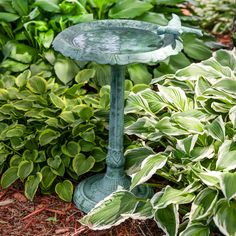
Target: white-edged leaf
{"type": "Point", "coordinates": [226, 159]}
{"type": "Point", "coordinates": [187, 144]}
{"type": "Point", "coordinates": [148, 167]}
{"type": "Point", "coordinates": [225, 216]}
{"type": "Point", "coordinates": [227, 184]}
{"type": "Point", "coordinates": [168, 219]}
{"type": "Point", "coordinates": [196, 229]}
{"type": "Point", "coordinates": [111, 211]}
{"type": "Point", "coordinates": [232, 115]}
{"type": "Point", "coordinates": [210, 178]}
{"type": "Point", "coordinates": [200, 153]}
{"type": "Point", "coordinates": [171, 196]}
{"type": "Point", "coordinates": [217, 129]}
{"type": "Point", "coordinates": [175, 96]}
{"type": "Point", "coordinates": [203, 204]}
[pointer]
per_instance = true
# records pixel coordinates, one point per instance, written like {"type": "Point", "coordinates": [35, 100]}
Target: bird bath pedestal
{"type": "Point", "coordinates": [117, 43]}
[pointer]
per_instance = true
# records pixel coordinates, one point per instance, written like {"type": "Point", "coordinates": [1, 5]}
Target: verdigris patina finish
{"type": "Point", "coordinates": [117, 43]}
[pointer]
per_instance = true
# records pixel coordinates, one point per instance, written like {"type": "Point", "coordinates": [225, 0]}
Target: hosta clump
{"type": "Point", "coordinates": [49, 131]}
{"type": "Point", "coordinates": [190, 117]}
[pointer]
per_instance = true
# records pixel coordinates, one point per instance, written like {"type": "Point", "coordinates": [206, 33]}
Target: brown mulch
{"type": "Point", "coordinates": [48, 215]}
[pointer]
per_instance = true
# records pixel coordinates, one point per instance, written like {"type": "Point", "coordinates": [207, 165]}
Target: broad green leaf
{"type": "Point", "coordinates": [54, 162]}
{"type": "Point", "coordinates": [24, 169]}
{"type": "Point", "coordinates": [202, 85]}
{"type": "Point", "coordinates": [37, 84]}
{"type": "Point", "coordinates": [200, 153]}
{"type": "Point", "coordinates": [175, 96]}
{"type": "Point", "coordinates": [148, 167]}
{"type": "Point", "coordinates": [225, 216]}
{"type": "Point", "coordinates": [65, 70]}
{"type": "Point", "coordinates": [47, 136]}
{"type": "Point", "coordinates": [129, 9]}
{"type": "Point", "coordinates": [195, 48]}
{"type": "Point", "coordinates": [88, 135]}
{"type": "Point", "coordinates": [196, 230]}
{"type": "Point", "coordinates": [226, 58]}
{"type": "Point", "coordinates": [203, 204]}
{"type": "Point", "coordinates": [217, 129]}
{"type": "Point", "coordinates": [112, 211]}
{"type": "Point", "coordinates": [48, 5]}
{"type": "Point", "coordinates": [187, 144]}
{"type": "Point", "coordinates": [67, 116]}
{"type": "Point", "coordinates": [84, 76]}
{"type": "Point", "coordinates": [31, 185]}
{"type": "Point", "coordinates": [98, 154]}
{"type": "Point", "coordinates": [57, 101]}
{"type": "Point", "coordinates": [168, 2]}
{"type": "Point", "coordinates": [226, 158]}
{"type": "Point", "coordinates": [168, 219]}
{"type": "Point", "coordinates": [139, 74]}
{"type": "Point", "coordinates": [9, 177]}
{"type": "Point", "coordinates": [15, 131]}
{"type": "Point", "coordinates": [60, 171]}
{"type": "Point", "coordinates": [143, 212]}
{"type": "Point", "coordinates": [21, 7]}
{"type": "Point", "coordinates": [227, 184]}
{"type": "Point", "coordinates": [226, 85]}
{"type": "Point", "coordinates": [65, 190]}
{"type": "Point", "coordinates": [30, 155]}
{"type": "Point", "coordinates": [71, 148]}
{"type": "Point", "coordinates": [153, 17]}
{"type": "Point", "coordinates": [171, 196]}
{"type": "Point", "coordinates": [81, 164]}
{"type": "Point", "coordinates": [15, 160]}
{"type": "Point", "coordinates": [8, 17]}
{"type": "Point", "coordinates": [84, 112]}
{"type": "Point", "coordinates": [46, 38]}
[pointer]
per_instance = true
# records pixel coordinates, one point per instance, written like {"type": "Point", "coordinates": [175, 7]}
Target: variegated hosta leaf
{"type": "Point", "coordinates": [226, 158]}
{"type": "Point", "coordinates": [134, 158]}
{"type": "Point", "coordinates": [176, 97]}
{"type": "Point", "coordinates": [203, 204]}
{"type": "Point", "coordinates": [200, 153]}
{"type": "Point", "coordinates": [168, 219]}
{"type": "Point", "coordinates": [196, 230]}
{"type": "Point", "coordinates": [136, 103]}
{"type": "Point", "coordinates": [210, 178]}
{"type": "Point", "coordinates": [142, 212]}
{"type": "Point", "coordinates": [187, 144]}
{"type": "Point", "coordinates": [192, 125]}
{"type": "Point", "coordinates": [154, 99]}
{"type": "Point", "coordinates": [171, 196]}
{"type": "Point", "coordinates": [232, 115]}
{"type": "Point", "coordinates": [225, 216]}
{"type": "Point", "coordinates": [226, 85]}
{"type": "Point", "coordinates": [112, 211]}
{"type": "Point", "coordinates": [168, 128]}
{"type": "Point", "coordinates": [148, 167]}
{"type": "Point", "coordinates": [217, 129]}
{"type": "Point", "coordinates": [227, 184]}
{"type": "Point", "coordinates": [202, 85]}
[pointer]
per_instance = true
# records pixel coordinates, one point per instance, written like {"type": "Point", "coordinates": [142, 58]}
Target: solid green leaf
{"type": "Point", "coordinates": [64, 190]}
{"type": "Point", "coordinates": [129, 8]}
{"type": "Point", "coordinates": [47, 136]}
{"type": "Point", "coordinates": [98, 154]}
{"type": "Point", "coordinates": [168, 219]}
{"type": "Point", "coordinates": [8, 17]}
{"type": "Point", "coordinates": [82, 165]}
{"type": "Point", "coordinates": [37, 84]}
{"type": "Point", "coordinates": [65, 70]}
{"type": "Point", "coordinates": [21, 6]}
{"type": "Point", "coordinates": [139, 74]}
{"type": "Point", "coordinates": [225, 216]}
{"type": "Point", "coordinates": [197, 229]}
{"type": "Point", "coordinates": [9, 176]}
{"type": "Point", "coordinates": [25, 168]}
{"type": "Point", "coordinates": [227, 184]}
{"type": "Point", "coordinates": [148, 167]}
{"type": "Point", "coordinates": [112, 211]}
{"type": "Point", "coordinates": [48, 5]}
{"type": "Point", "coordinates": [31, 185]}
{"type": "Point", "coordinates": [203, 204]}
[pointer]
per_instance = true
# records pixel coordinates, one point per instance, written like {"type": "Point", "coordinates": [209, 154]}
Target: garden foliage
{"type": "Point", "coordinates": [191, 117]}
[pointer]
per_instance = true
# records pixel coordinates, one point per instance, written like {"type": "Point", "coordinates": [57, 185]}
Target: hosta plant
{"type": "Point", "coordinates": [186, 123]}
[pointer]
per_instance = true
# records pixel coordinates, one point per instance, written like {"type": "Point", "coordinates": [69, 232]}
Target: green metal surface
{"type": "Point", "coordinates": [117, 42]}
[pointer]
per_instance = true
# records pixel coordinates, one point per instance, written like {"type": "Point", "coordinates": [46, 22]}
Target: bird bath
{"type": "Point", "coordinates": [117, 43]}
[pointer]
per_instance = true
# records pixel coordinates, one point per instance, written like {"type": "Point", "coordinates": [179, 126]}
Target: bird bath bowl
{"type": "Point", "coordinates": [117, 43]}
